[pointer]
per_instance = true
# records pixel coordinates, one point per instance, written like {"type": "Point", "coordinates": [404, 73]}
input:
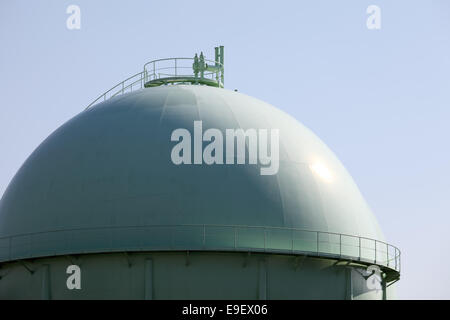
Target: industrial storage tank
{"type": "Point", "coordinates": [110, 207]}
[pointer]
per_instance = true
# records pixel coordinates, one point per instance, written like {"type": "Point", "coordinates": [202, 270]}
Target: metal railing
{"type": "Point", "coordinates": [135, 82]}
{"type": "Point", "coordinates": [163, 71]}
{"type": "Point", "coordinates": [200, 237]}
{"type": "Point", "coordinates": [183, 70]}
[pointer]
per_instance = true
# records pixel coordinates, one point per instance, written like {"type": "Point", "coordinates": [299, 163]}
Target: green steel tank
{"type": "Point", "coordinates": [169, 186]}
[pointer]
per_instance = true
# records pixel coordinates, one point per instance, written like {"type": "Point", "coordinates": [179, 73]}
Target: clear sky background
{"type": "Point", "coordinates": [380, 99]}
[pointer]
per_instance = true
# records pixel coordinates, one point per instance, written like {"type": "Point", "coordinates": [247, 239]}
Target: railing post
{"type": "Point", "coordinates": [375, 251]}
{"type": "Point", "coordinates": [395, 257]}
{"type": "Point", "coordinates": [204, 236]}
{"type": "Point", "coordinates": [264, 229]}
{"type": "Point", "coordinates": [235, 236]}
{"type": "Point", "coordinates": [10, 245]}
{"type": "Point", "coordinates": [171, 237]}
{"type": "Point", "coordinates": [387, 254]}
{"type": "Point", "coordinates": [359, 247]}
{"type": "Point", "coordinates": [30, 245]}
{"type": "Point", "coordinates": [292, 241]}
{"type": "Point", "coordinates": [340, 245]}
{"type": "Point", "coordinates": [175, 67]}
{"type": "Point", "coordinates": [317, 233]}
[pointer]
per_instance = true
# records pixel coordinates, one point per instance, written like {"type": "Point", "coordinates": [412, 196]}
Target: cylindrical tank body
{"type": "Point", "coordinates": [104, 194]}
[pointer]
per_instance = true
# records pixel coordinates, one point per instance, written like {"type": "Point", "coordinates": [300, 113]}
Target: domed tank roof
{"type": "Point", "coordinates": [109, 169]}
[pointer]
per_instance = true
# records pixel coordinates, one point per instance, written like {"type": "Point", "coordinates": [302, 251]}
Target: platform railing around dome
{"type": "Point", "coordinates": [201, 237]}
{"type": "Point", "coordinates": [183, 70]}
{"type": "Point", "coordinates": [167, 71]}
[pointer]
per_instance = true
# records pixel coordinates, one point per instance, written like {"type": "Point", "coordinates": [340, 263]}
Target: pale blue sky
{"type": "Point", "coordinates": [380, 99]}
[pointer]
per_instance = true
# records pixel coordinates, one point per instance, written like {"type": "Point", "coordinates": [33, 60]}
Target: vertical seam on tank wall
{"type": "Point", "coordinates": [164, 107]}
{"type": "Point", "coordinates": [354, 214]}
{"type": "Point", "coordinates": [224, 101]}
{"type": "Point", "coordinates": [246, 146]}
{"type": "Point", "coordinates": [194, 94]}
{"type": "Point", "coordinates": [141, 97]}
{"type": "Point", "coordinates": [319, 191]}
{"type": "Point", "coordinates": [196, 104]}
{"type": "Point", "coordinates": [313, 177]}
{"type": "Point", "coordinates": [234, 117]}
{"type": "Point", "coordinates": [269, 123]}
{"type": "Point", "coordinates": [278, 178]}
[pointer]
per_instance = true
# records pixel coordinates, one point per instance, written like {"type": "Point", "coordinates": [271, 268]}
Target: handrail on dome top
{"type": "Point", "coordinates": [197, 70]}
{"type": "Point", "coordinates": [184, 70]}
{"type": "Point", "coordinates": [121, 87]}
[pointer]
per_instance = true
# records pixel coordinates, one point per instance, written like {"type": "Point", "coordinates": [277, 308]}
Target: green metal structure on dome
{"type": "Point", "coordinates": [102, 194]}
{"type": "Point", "coordinates": [197, 70]}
